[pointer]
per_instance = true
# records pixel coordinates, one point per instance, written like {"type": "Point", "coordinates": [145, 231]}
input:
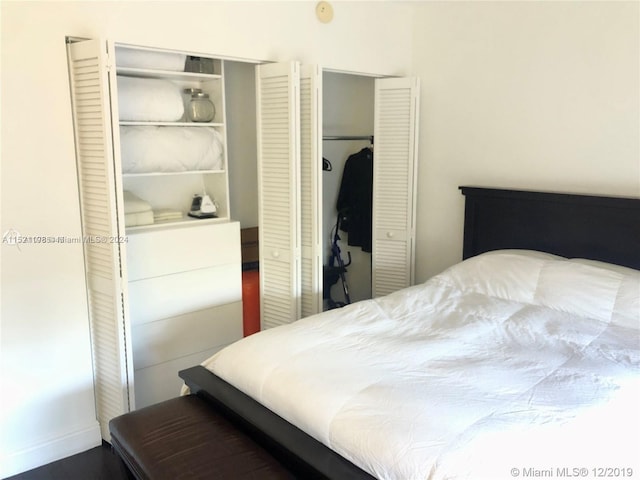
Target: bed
{"type": "Point", "coordinates": [522, 360]}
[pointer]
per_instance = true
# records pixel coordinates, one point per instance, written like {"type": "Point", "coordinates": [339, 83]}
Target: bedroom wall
{"type": "Point", "coordinates": [532, 95]}
{"type": "Point", "coordinates": [46, 392]}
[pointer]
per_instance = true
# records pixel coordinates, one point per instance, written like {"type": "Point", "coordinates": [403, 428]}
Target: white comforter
{"type": "Point", "coordinates": [509, 364]}
{"type": "Point", "coordinates": [154, 149]}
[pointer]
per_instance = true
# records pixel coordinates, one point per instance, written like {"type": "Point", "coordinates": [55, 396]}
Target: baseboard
{"type": "Point", "coordinates": [50, 451]}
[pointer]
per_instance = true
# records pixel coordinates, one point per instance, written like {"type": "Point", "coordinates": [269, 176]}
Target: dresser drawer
{"type": "Point", "coordinates": [170, 295]}
{"type": "Point", "coordinates": [161, 252]}
{"type": "Point", "coordinates": [164, 340]}
{"type": "Point", "coordinates": [161, 382]}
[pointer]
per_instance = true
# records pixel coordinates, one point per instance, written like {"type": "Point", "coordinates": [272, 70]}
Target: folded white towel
{"type": "Point", "coordinates": [134, 204]}
{"type": "Point", "coordinates": [149, 100]}
{"type": "Point", "coordinates": [137, 219]}
{"type": "Point", "coordinates": [166, 214]}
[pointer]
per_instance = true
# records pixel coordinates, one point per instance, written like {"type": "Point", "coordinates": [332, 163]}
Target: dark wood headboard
{"type": "Point", "coordinates": [573, 226]}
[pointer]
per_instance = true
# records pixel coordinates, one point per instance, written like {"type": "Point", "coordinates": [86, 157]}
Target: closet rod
{"type": "Point", "coordinates": [349, 137]}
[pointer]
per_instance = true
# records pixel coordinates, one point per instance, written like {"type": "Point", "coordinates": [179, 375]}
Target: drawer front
{"type": "Point", "coordinates": [161, 382]}
{"type": "Point", "coordinates": [163, 297]}
{"type": "Point", "coordinates": [171, 338]}
{"type": "Point", "coordinates": [161, 252]}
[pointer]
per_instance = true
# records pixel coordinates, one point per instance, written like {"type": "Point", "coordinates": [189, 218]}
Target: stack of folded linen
{"type": "Point", "coordinates": [166, 215]}
{"type": "Point", "coordinates": [136, 211]}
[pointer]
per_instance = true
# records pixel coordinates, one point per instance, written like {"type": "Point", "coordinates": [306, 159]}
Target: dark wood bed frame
{"type": "Point", "coordinates": [586, 226]}
{"type": "Point", "coordinates": [574, 226]}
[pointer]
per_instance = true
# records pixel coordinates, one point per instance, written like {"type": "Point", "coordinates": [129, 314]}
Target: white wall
{"type": "Point", "coordinates": [46, 392]}
{"type": "Point", "coordinates": [534, 95]}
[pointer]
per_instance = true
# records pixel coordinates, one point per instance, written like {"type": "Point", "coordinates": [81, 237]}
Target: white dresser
{"type": "Point", "coordinates": [185, 302]}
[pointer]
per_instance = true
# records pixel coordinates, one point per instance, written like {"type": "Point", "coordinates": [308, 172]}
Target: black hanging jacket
{"type": "Point", "coordinates": [355, 199]}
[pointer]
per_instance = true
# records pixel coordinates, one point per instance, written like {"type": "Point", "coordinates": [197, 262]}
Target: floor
{"type": "Point", "coordinates": [96, 464]}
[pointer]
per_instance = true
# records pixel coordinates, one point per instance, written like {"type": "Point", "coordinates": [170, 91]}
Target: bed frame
{"type": "Point", "coordinates": [574, 226]}
{"type": "Point", "coordinates": [593, 227]}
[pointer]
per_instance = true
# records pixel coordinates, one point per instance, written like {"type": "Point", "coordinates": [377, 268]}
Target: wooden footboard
{"type": "Point", "coordinates": [300, 452]}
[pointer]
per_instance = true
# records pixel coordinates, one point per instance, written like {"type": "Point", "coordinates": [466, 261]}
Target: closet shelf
{"type": "Point", "coordinates": [167, 174]}
{"type": "Point", "coordinates": [172, 124]}
{"type": "Point", "coordinates": [348, 137]}
{"type": "Point", "coordinates": [185, 221]}
{"type": "Point", "coordinates": [148, 73]}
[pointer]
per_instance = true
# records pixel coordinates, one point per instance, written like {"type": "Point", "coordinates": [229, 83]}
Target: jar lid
{"type": "Point", "coordinates": [199, 95]}
{"type": "Point", "coordinates": [192, 91]}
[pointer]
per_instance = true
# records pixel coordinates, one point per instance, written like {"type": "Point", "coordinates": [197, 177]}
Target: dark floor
{"type": "Point", "coordinates": [99, 463]}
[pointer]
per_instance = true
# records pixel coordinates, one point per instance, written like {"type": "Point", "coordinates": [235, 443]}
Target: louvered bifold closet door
{"type": "Point", "coordinates": [101, 228]}
{"type": "Point", "coordinates": [311, 189]}
{"type": "Point", "coordinates": [277, 94]}
{"type": "Point", "coordinates": [395, 161]}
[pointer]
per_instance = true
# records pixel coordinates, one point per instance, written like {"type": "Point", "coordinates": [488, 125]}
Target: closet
{"type": "Point", "coordinates": [164, 288]}
{"type": "Point", "coordinates": [290, 150]}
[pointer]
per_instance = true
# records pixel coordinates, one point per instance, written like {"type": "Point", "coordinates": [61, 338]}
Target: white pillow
{"type": "Point", "coordinates": [578, 289]}
{"type": "Point", "coordinates": [508, 274]}
{"type": "Point", "coordinates": [626, 311]}
{"type": "Point", "coordinates": [581, 287]}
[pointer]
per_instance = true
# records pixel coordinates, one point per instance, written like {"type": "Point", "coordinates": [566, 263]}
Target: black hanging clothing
{"type": "Point", "coordinates": [355, 199]}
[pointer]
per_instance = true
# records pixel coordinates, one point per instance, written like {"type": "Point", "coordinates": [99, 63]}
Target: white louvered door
{"type": "Point", "coordinates": [278, 100]}
{"type": "Point", "coordinates": [311, 188]}
{"type": "Point", "coordinates": [394, 183]}
{"type": "Point", "coordinates": [102, 226]}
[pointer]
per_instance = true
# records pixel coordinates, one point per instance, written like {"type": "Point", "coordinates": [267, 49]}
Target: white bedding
{"type": "Point", "coordinates": [508, 364]}
{"type": "Point", "coordinates": [152, 149]}
{"type": "Point", "coordinates": [149, 100]}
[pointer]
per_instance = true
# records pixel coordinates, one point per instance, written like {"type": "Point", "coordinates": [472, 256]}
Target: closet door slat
{"type": "Point", "coordinates": [395, 163]}
{"type": "Point", "coordinates": [102, 225]}
{"type": "Point", "coordinates": [278, 101]}
{"type": "Point", "coordinates": [311, 189]}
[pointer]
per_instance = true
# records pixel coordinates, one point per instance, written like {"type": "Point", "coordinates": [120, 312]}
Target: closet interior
{"type": "Point", "coordinates": [347, 128]}
{"type": "Point", "coordinates": [348, 123]}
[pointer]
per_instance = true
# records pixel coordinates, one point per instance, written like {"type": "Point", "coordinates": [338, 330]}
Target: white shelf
{"type": "Point", "coordinates": [172, 124]}
{"type": "Point", "coordinates": [167, 174]}
{"type": "Point", "coordinates": [185, 221]}
{"type": "Point", "coordinates": [148, 73]}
